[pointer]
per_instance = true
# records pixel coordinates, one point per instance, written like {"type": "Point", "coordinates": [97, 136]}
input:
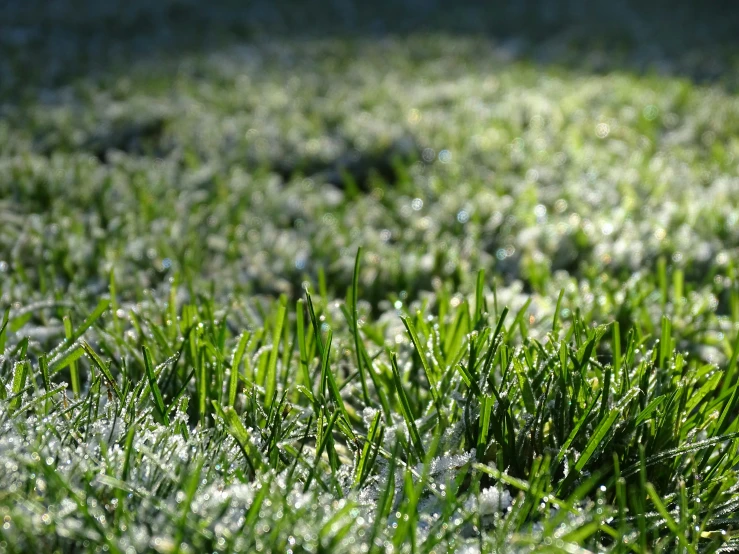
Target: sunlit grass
{"type": "Point", "coordinates": [510, 324]}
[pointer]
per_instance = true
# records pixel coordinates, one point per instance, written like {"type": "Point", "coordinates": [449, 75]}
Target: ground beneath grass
{"type": "Point", "coordinates": [417, 280]}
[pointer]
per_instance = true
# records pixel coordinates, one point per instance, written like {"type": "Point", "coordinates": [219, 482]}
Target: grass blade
{"type": "Point", "coordinates": [271, 377]}
{"type": "Point", "coordinates": [355, 327]}
{"type": "Point", "coordinates": [103, 369]}
{"type": "Point", "coordinates": [405, 407]}
{"type": "Point", "coordinates": [430, 376]}
{"type": "Point", "coordinates": [238, 354]}
{"type": "Point", "coordinates": [20, 373]}
{"type": "Point", "coordinates": [73, 369]}
{"type": "Point", "coordinates": [156, 393]}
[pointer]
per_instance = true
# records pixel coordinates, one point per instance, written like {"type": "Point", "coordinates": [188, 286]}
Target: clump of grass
{"type": "Point", "coordinates": [584, 444]}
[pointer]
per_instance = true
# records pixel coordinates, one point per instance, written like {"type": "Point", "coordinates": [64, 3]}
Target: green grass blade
{"type": "Point", "coordinates": [480, 307]}
{"type": "Point", "coordinates": [271, 377]}
{"type": "Point", "coordinates": [242, 436]}
{"type": "Point", "coordinates": [103, 368]}
{"type": "Point", "coordinates": [87, 323]}
{"type": "Point", "coordinates": [238, 354]}
{"type": "Point", "coordinates": [430, 376]}
{"type": "Point", "coordinates": [355, 327]}
{"type": "Point", "coordinates": [555, 317]}
{"type": "Point", "coordinates": [406, 410]}
{"type": "Point", "coordinates": [577, 428]}
{"type": "Point", "coordinates": [601, 431]}
{"type": "Point", "coordinates": [20, 372]}
{"type": "Point", "coordinates": [156, 393]}
{"type": "Point", "coordinates": [302, 344]}
{"type": "Point", "coordinates": [73, 369]}
{"type": "Point", "coordinates": [65, 359]}
{"type": "Point", "coordinates": [44, 367]}
{"type": "Point", "coordinates": [669, 520]}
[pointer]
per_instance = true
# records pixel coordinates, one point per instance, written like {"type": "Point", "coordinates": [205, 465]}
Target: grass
{"type": "Point", "coordinates": [456, 300]}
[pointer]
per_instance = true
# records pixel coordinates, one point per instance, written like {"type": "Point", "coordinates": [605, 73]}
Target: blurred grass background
{"type": "Point", "coordinates": [51, 43]}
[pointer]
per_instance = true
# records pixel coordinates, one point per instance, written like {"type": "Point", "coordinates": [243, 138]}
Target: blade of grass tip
{"type": "Point", "coordinates": [453, 338]}
{"type": "Point", "coordinates": [325, 363]}
{"type": "Point", "coordinates": [606, 392]}
{"type": "Point", "coordinates": [482, 439]}
{"type": "Point", "coordinates": [156, 393]}
{"type": "Point", "coordinates": [271, 380]}
{"type": "Point", "coordinates": [517, 320]}
{"type": "Point", "coordinates": [64, 354]}
{"type": "Point", "coordinates": [88, 322]}
{"type": "Point", "coordinates": [662, 275]}
{"type": "Point", "coordinates": [555, 317]}
{"type": "Point", "coordinates": [495, 343]}
{"type": "Point", "coordinates": [103, 368]}
{"type": "Point", "coordinates": [524, 384]}
{"type": "Point", "coordinates": [708, 387]}
{"type": "Point", "coordinates": [172, 309]}
{"type": "Point", "coordinates": [238, 354]}
{"type": "Point", "coordinates": [243, 438]}
{"type": "Point", "coordinates": [302, 347]}
{"type": "Point", "coordinates": [73, 369]}
{"type": "Point", "coordinates": [617, 349]}
{"type": "Point", "coordinates": [173, 371]}
{"type": "Point", "coordinates": [646, 413]}
{"type": "Point", "coordinates": [288, 346]}
{"type": "Point", "coordinates": [665, 342]}
{"type": "Point", "coordinates": [469, 379]}
{"type": "Point", "coordinates": [430, 377]}
{"type": "Point", "coordinates": [19, 381]}
{"type": "Point", "coordinates": [314, 322]}
{"type": "Point", "coordinates": [114, 303]}
{"type": "Point", "coordinates": [669, 521]}
{"type": "Point", "coordinates": [480, 307]}
{"type": "Point", "coordinates": [4, 330]}
{"type": "Point", "coordinates": [44, 367]}
{"type": "Point", "coordinates": [406, 409]}
{"type": "Point", "coordinates": [355, 326]}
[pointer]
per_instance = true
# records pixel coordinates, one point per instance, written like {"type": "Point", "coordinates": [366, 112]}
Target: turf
{"type": "Point", "coordinates": [392, 291]}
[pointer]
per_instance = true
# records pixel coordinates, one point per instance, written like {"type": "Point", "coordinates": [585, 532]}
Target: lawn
{"type": "Point", "coordinates": [431, 280]}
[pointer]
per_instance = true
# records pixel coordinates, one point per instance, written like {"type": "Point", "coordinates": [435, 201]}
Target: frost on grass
{"type": "Point", "coordinates": [194, 196]}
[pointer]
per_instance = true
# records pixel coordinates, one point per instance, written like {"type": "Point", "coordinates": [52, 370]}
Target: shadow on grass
{"type": "Point", "coordinates": [47, 44]}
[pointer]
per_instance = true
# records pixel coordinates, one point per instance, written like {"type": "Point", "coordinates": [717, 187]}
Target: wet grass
{"type": "Point", "coordinates": [454, 300]}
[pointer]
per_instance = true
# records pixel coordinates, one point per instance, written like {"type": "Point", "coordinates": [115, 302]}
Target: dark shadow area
{"type": "Point", "coordinates": [50, 43]}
